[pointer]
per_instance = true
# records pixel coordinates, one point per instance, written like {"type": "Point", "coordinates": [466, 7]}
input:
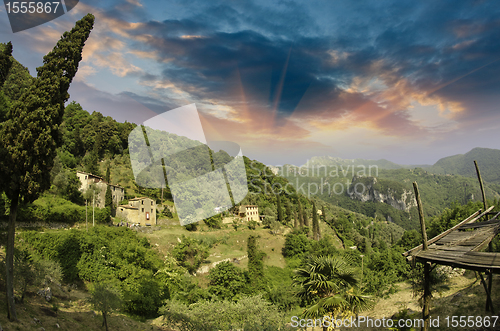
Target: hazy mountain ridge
{"type": "Point", "coordinates": [463, 164]}
{"type": "Point", "coordinates": [459, 164]}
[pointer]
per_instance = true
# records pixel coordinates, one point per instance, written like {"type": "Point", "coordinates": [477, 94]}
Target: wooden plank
{"type": "Point", "coordinates": [469, 219]}
{"type": "Point", "coordinates": [456, 237]}
{"type": "Point", "coordinates": [451, 248]}
{"type": "Point", "coordinates": [487, 260]}
{"type": "Point", "coordinates": [487, 240]}
{"type": "Point", "coordinates": [458, 264]}
{"type": "Point", "coordinates": [481, 224]}
{"type": "Point", "coordinates": [469, 238]}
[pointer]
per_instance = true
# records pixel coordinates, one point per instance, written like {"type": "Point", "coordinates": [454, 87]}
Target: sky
{"type": "Point", "coordinates": [407, 81]}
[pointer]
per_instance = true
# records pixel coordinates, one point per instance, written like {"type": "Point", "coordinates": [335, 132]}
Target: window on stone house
{"type": "Point", "coordinates": [143, 210]}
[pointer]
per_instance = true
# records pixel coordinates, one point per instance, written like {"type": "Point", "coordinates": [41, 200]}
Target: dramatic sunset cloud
{"type": "Point", "coordinates": [407, 81]}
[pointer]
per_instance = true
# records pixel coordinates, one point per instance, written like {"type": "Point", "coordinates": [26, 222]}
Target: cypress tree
{"type": "Point", "coordinates": [108, 198]}
{"type": "Point", "coordinates": [5, 65]}
{"type": "Point", "coordinates": [255, 261]}
{"type": "Point", "coordinates": [108, 175]}
{"type": "Point", "coordinates": [30, 135]}
{"type": "Point", "coordinates": [305, 217]}
{"type": "Point", "coordinates": [5, 62]}
{"type": "Point", "coordinates": [301, 215]}
{"type": "Point", "coordinates": [288, 218]}
{"type": "Point", "coordinates": [280, 211]}
{"type": "Point", "coordinates": [315, 222]}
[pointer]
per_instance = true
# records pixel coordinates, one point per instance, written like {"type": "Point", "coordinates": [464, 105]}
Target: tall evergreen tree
{"type": "Point", "coordinates": [108, 175]}
{"type": "Point", "coordinates": [108, 198]}
{"type": "Point", "coordinates": [30, 135]}
{"type": "Point", "coordinates": [305, 216]}
{"type": "Point", "coordinates": [280, 211]}
{"type": "Point", "coordinates": [315, 223]}
{"type": "Point", "coordinates": [5, 65]}
{"type": "Point", "coordinates": [255, 261]}
{"type": "Point", "coordinates": [301, 215]}
{"type": "Point", "coordinates": [5, 62]}
{"type": "Point", "coordinates": [288, 218]}
{"type": "Point", "coordinates": [296, 221]}
{"type": "Point", "coordinates": [90, 162]}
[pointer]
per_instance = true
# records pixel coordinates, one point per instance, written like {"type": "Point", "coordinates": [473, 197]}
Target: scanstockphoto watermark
{"type": "Point", "coordinates": [361, 321]}
{"type": "Point", "coordinates": [323, 179]}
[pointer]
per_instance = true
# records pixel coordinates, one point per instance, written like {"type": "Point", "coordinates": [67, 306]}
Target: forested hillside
{"type": "Point", "coordinates": [463, 164]}
{"type": "Point", "coordinates": [334, 184]}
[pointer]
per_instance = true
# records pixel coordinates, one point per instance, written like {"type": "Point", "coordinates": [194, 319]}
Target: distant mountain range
{"type": "Point", "coordinates": [460, 164]}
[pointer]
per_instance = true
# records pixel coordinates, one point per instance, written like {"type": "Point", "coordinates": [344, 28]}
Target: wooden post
{"type": "Point", "coordinates": [488, 292]}
{"type": "Point", "coordinates": [490, 247]}
{"type": "Point", "coordinates": [485, 203]}
{"type": "Point", "coordinates": [421, 216]}
{"type": "Point", "coordinates": [427, 266]}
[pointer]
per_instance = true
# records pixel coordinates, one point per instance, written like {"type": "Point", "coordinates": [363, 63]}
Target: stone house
{"type": "Point", "coordinates": [87, 179]}
{"type": "Point", "coordinates": [138, 211]}
{"type": "Point", "coordinates": [249, 212]}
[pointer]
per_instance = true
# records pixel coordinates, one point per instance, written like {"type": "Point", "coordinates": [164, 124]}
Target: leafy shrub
{"type": "Point", "coordinates": [249, 313]}
{"type": "Point", "coordinates": [190, 253]}
{"type": "Point", "coordinates": [166, 211]}
{"type": "Point", "coordinates": [106, 254]}
{"type": "Point", "coordinates": [214, 222]}
{"type": "Point", "coordinates": [226, 281]}
{"type": "Point", "coordinates": [60, 210]}
{"type": "Point", "coordinates": [252, 225]}
{"type": "Point", "coordinates": [296, 244]}
{"type": "Point", "coordinates": [62, 247]}
{"type": "Point", "coordinates": [191, 226]}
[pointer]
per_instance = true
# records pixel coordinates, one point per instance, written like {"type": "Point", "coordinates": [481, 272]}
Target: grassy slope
{"type": "Point", "coordinates": [234, 243]}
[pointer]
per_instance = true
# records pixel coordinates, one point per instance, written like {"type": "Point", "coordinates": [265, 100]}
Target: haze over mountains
{"type": "Point", "coordinates": [460, 164]}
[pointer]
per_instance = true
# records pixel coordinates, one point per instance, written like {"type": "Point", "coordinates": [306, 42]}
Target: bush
{"type": "Point", "coordinates": [166, 211]}
{"type": "Point", "coordinates": [252, 225]}
{"type": "Point", "coordinates": [249, 313]}
{"type": "Point", "coordinates": [106, 254]}
{"type": "Point", "coordinates": [296, 244]}
{"type": "Point", "coordinates": [226, 281]}
{"type": "Point", "coordinates": [62, 247]}
{"type": "Point", "coordinates": [214, 222]}
{"type": "Point", "coordinates": [190, 254]}
{"type": "Point", "coordinates": [191, 226]}
{"type": "Point", "coordinates": [59, 210]}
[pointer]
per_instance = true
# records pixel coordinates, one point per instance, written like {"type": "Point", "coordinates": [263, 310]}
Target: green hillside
{"type": "Point", "coordinates": [332, 184]}
{"type": "Point", "coordinates": [463, 164]}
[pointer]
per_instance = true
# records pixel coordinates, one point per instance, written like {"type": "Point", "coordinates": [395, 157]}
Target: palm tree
{"type": "Point", "coordinates": [331, 284]}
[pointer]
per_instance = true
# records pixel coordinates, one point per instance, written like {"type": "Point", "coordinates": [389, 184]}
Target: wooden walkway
{"type": "Point", "coordinates": [460, 246]}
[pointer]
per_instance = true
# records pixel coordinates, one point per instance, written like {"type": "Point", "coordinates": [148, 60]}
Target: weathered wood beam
{"type": "Point", "coordinates": [488, 293]}
{"type": "Point", "coordinates": [469, 219]}
{"type": "Point", "coordinates": [421, 216]}
{"type": "Point", "coordinates": [485, 203]}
